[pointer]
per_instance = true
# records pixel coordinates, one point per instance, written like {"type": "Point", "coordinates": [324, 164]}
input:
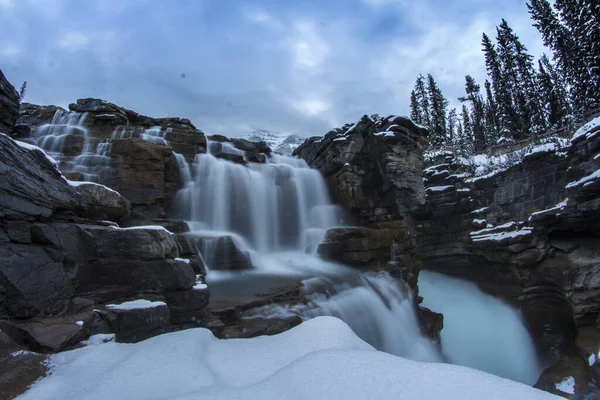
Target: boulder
{"type": "Point", "coordinates": [19, 368]}
{"type": "Point", "coordinates": [30, 184]}
{"type": "Point", "coordinates": [222, 253]}
{"type": "Point", "coordinates": [137, 320]}
{"type": "Point", "coordinates": [49, 336]}
{"type": "Point", "coordinates": [188, 306]}
{"type": "Point", "coordinates": [101, 202]}
{"type": "Point", "coordinates": [33, 115]}
{"type": "Point", "coordinates": [568, 378]}
{"type": "Point", "coordinates": [9, 105]}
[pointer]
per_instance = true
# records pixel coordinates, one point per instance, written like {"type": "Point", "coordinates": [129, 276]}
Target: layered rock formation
{"type": "Point", "coordinates": [67, 275]}
{"type": "Point", "coordinates": [9, 105]}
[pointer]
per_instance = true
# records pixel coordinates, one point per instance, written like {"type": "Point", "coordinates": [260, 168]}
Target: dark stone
{"type": "Point", "coordinates": [18, 231]}
{"type": "Point", "coordinates": [30, 185]}
{"type": "Point", "coordinates": [221, 253]}
{"type": "Point", "coordinates": [102, 203]}
{"type": "Point", "coordinates": [19, 368]}
{"type": "Point", "coordinates": [188, 306]}
{"type": "Point", "coordinates": [9, 105]}
{"type": "Point", "coordinates": [137, 324]}
{"type": "Point", "coordinates": [49, 336]}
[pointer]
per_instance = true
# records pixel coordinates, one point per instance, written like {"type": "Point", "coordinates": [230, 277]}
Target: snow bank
{"type": "Point", "coordinates": [587, 129]}
{"type": "Point", "coordinates": [136, 305]}
{"type": "Point", "coordinates": [35, 148]}
{"type": "Point", "coordinates": [321, 358]}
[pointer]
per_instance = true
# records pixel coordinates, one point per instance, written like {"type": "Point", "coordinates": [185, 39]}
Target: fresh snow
{"type": "Point", "coordinates": [136, 305]}
{"type": "Point", "coordinates": [439, 188]}
{"type": "Point", "coordinates": [82, 183]}
{"type": "Point", "coordinates": [385, 134]}
{"type": "Point", "coordinates": [21, 353]}
{"type": "Point", "coordinates": [340, 139]}
{"type": "Point", "coordinates": [80, 323]}
{"type": "Point", "coordinates": [100, 338]}
{"type": "Point", "coordinates": [496, 233]}
{"type": "Point", "coordinates": [479, 221]}
{"type": "Point", "coordinates": [559, 207]}
{"type": "Point", "coordinates": [586, 179]}
{"type": "Point", "coordinates": [35, 148]}
{"type": "Point", "coordinates": [587, 128]}
{"type": "Point", "coordinates": [321, 358]}
{"type": "Point", "coordinates": [592, 359]}
{"type": "Point", "coordinates": [543, 148]}
{"type": "Point", "coordinates": [185, 260]}
{"type": "Point", "coordinates": [147, 227]}
{"type": "Point", "coordinates": [567, 385]}
{"type": "Point", "coordinates": [479, 210]}
{"type": "Point", "coordinates": [200, 286]}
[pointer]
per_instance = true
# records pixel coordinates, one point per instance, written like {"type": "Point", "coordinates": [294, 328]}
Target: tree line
{"type": "Point", "coordinates": [520, 98]}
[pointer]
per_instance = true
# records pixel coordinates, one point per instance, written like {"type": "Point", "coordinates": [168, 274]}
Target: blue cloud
{"type": "Point", "coordinates": [230, 66]}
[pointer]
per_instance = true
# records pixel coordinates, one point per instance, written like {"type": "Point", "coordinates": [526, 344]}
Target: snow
{"type": "Point", "coordinates": [385, 134]}
{"type": "Point", "coordinates": [100, 338]}
{"type": "Point", "coordinates": [586, 130]}
{"type": "Point", "coordinates": [147, 227]}
{"type": "Point", "coordinates": [559, 207]}
{"type": "Point", "coordinates": [586, 179]}
{"type": "Point", "coordinates": [497, 233]}
{"type": "Point", "coordinates": [200, 286]}
{"type": "Point", "coordinates": [19, 353]}
{"type": "Point", "coordinates": [464, 190]}
{"type": "Point", "coordinates": [321, 358]}
{"type": "Point", "coordinates": [35, 148]}
{"type": "Point", "coordinates": [567, 385]}
{"type": "Point", "coordinates": [592, 359]}
{"type": "Point", "coordinates": [543, 148]}
{"type": "Point", "coordinates": [136, 305]}
{"type": "Point", "coordinates": [479, 210]}
{"type": "Point", "coordinates": [347, 165]}
{"type": "Point", "coordinates": [340, 139]}
{"type": "Point", "coordinates": [479, 221]}
{"type": "Point", "coordinates": [81, 183]}
{"type": "Point", "coordinates": [439, 188]}
{"type": "Point", "coordinates": [80, 323]}
{"type": "Point", "coordinates": [185, 260]}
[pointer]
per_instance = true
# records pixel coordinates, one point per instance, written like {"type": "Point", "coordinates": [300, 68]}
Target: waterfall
{"type": "Point", "coordinates": [66, 139]}
{"type": "Point", "coordinates": [275, 214]}
{"type": "Point", "coordinates": [480, 331]}
{"type": "Point", "coordinates": [280, 205]}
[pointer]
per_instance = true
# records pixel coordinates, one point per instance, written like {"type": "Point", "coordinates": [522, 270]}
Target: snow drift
{"type": "Point", "coordinates": [321, 358]}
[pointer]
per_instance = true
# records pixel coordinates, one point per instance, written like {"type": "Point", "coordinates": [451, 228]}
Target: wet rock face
{"type": "Point", "coordinates": [9, 105]}
{"type": "Point", "coordinates": [374, 169]}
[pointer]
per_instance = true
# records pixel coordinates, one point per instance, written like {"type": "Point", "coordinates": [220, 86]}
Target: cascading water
{"type": "Point", "coordinates": [67, 128]}
{"type": "Point", "coordinates": [281, 205]}
{"type": "Point", "coordinates": [278, 212]}
{"type": "Point", "coordinates": [480, 331]}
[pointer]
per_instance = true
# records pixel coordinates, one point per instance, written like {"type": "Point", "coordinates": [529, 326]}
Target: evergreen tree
{"type": "Point", "coordinates": [492, 120]}
{"type": "Point", "coordinates": [477, 112]}
{"type": "Point", "coordinates": [465, 141]}
{"type": "Point", "coordinates": [438, 104]}
{"type": "Point", "coordinates": [573, 33]}
{"type": "Point", "coordinates": [415, 109]}
{"type": "Point", "coordinates": [519, 118]}
{"type": "Point", "coordinates": [451, 129]}
{"type": "Point", "coordinates": [552, 92]}
{"type": "Point", "coordinates": [423, 101]}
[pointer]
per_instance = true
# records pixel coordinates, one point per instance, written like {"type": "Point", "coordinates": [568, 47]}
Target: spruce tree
{"type": "Point", "coordinates": [477, 112]}
{"type": "Point", "coordinates": [415, 109]}
{"type": "Point", "coordinates": [451, 129]}
{"type": "Point", "coordinates": [423, 101]}
{"type": "Point", "coordinates": [552, 92]}
{"type": "Point", "coordinates": [492, 120]}
{"type": "Point", "coordinates": [438, 104]}
{"type": "Point", "coordinates": [518, 121]}
{"type": "Point", "coordinates": [465, 141]}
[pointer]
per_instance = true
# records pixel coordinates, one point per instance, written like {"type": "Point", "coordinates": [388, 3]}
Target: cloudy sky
{"type": "Point", "coordinates": [296, 66]}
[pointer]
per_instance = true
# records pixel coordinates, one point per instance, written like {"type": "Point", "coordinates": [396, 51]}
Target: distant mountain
{"type": "Point", "coordinates": [280, 143]}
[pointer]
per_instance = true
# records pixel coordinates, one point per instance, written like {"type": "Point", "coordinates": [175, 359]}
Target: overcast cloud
{"type": "Point", "coordinates": [230, 66]}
